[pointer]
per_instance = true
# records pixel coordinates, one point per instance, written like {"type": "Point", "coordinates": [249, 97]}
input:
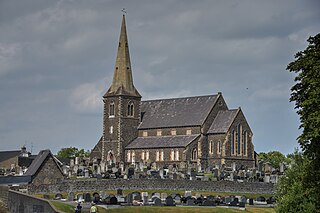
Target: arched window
{"type": "Point", "coordinates": [133, 157]}
{"type": "Point", "coordinates": [147, 155]}
{"type": "Point", "coordinates": [232, 142]}
{"type": "Point", "coordinates": [128, 156]}
{"type": "Point", "coordinates": [161, 155]}
{"type": "Point", "coordinates": [219, 147]}
{"type": "Point", "coordinates": [172, 155]}
{"type": "Point", "coordinates": [244, 142]}
{"type": "Point", "coordinates": [177, 155]}
{"type": "Point", "coordinates": [157, 155]}
{"type": "Point", "coordinates": [239, 139]}
{"type": "Point", "coordinates": [130, 109]}
{"type": "Point", "coordinates": [210, 147]}
{"type": "Point", "coordinates": [111, 109]}
{"type": "Point", "coordinates": [142, 155]}
{"type": "Point", "coordinates": [194, 154]}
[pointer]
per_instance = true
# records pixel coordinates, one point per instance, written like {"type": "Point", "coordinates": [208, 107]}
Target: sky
{"type": "Point", "coordinates": [57, 60]}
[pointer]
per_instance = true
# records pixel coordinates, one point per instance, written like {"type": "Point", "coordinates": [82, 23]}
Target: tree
{"type": "Point", "coordinates": [291, 194]}
{"type": "Point", "coordinates": [303, 179]}
{"type": "Point", "coordinates": [72, 152]}
{"type": "Point", "coordinates": [274, 158]}
{"type": "Point", "coordinates": [306, 93]}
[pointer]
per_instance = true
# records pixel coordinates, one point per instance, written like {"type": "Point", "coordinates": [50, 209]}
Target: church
{"type": "Point", "coordinates": [201, 131]}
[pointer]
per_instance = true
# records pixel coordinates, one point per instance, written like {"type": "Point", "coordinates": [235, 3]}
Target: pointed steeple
{"type": "Point", "coordinates": [122, 83]}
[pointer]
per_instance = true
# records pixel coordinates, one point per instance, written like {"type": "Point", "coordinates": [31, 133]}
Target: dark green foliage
{"type": "Point", "coordinates": [274, 158]}
{"type": "Point", "coordinates": [291, 195]}
{"type": "Point", "coordinates": [72, 152]}
{"type": "Point", "coordinates": [299, 190]}
{"type": "Point", "coordinates": [306, 94]}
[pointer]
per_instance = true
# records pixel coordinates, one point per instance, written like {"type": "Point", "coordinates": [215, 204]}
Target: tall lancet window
{"type": "Point", "coordinates": [232, 142]}
{"type": "Point", "coordinates": [111, 109]}
{"type": "Point", "coordinates": [239, 139]}
{"type": "Point", "coordinates": [130, 109]}
{"type": "Point", "coordinates": [245, 143]}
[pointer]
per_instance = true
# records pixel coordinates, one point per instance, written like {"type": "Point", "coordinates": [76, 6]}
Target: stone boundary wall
{"type": "Point", "coordinates": [21, 202]}
{"type": "Point", "coordinates": [155, 184]}
{"type": "Point", "coordinates": [4, 190]}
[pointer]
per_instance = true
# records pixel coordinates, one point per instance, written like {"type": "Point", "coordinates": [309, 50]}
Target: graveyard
{"type": "Point", "coordinates": [163, 201]}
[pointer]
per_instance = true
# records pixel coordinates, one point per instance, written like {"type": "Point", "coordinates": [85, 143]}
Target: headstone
{"type": "Point", "coordinates": [113, 201]}
{"type": "Point", "coordinates": [87, 197]}
{"type": "Point", "coordinates": [161, 173]}
{"type": "Point", "coordinates": [271, 200]}
{"type": "Point", "coordinates": [58, 196]}
{"type": "Point", "coordinates": [157, 201]}
{"type": "Point", "coordinates": [156, 195]}
{"type": "Point", "coordinates": [187, 194]}
{"type": "Point", "coordinates": [190, 202]}
{"type": "Point", "coordinates": [261, 199]}
{"type": "Point", "coordinates": [86, 173]}
{"type": "Point", "coordinates": [208, 203]}
{"type": "Point", "coordinates": [233, 203]}
{"type": "Point", "coordinates": [177, 199]}
{"type": "Point", "coordinates": [199, 200]}
{"type": "Point", "coordinates": [103, 194]}
{"type": "Point", "coordinates": [228, 200]}
{"type": "Point", "coordinates": [164, 196]}
{"type": "Point", "coordinates": [95, 197]}
{"type": "Point", "coordinates": [79, 197]}
{"type": "Point", "coordinates": [210, 197]}
{"type": "Point", "coordinates": [169, 201]}
{"type": "Point", "coordinates": [129, 198]}
{"type": "Point", "coordinates": [242, 204]}
{"type": "Point", "coordinates": [198, 195]}
{"type": "Point", "coordinates": [70, 196]}
{"type": "Point", "coordinates": [243, 200]}
{"type": "Point", "coordinates": [236, 200]}
{"type": "Point", "coordinates": [251, 201]}
{"type": "Point", "coordinates": [136, 196]}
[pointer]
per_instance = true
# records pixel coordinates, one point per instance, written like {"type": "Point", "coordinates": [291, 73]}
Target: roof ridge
{"type": "Point", "coordinates": [200, 96]}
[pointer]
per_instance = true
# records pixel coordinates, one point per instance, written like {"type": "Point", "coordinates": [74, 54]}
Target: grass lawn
{"type": "Point", "coordinates": [142, 209]}
{"type": "Point", "coordinates": [62, 206]}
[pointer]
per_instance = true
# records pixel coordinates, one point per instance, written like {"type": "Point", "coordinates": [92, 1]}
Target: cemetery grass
{"type": "Point", "coordinates": [177, 209]}
{"type": "Point", "coordinates": [62, 206]}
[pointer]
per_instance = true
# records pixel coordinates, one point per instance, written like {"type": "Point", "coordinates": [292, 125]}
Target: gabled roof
{"type": "Point", "coordinates": [38, 162]}
{"type": "Point", "coordinates": [5, 155]}
{"type": "Point", "coordinates": [162, 142]}
{"type": "Point", "coordinates": [177, 112]}
{"type": "Point", "coordinates": [223, 121]}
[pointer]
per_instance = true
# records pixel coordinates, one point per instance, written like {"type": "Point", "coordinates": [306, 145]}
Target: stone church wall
{"type": "Point", "coordinates": [155, 184]}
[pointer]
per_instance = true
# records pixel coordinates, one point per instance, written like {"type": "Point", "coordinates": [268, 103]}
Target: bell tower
{"type": "Point", "coordinates": [121, 106]}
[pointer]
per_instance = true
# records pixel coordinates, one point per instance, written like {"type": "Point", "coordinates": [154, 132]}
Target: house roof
{"type": "Point", "coordinates": [177, 112]}
{"type": "Point", "coordinates": [8, 180]}
{"type": "Point", "coordinates": [5, 155]}
{"type": "Point", "coordinates": [38, 161]}
{"type": "Point", "coordinates": [162, 142]}
{"type": "Point", "coordinates": [222, 121]}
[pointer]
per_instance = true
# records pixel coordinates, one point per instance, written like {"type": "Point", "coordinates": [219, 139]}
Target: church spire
{"type": "Point", "coordinates": [122, 83]}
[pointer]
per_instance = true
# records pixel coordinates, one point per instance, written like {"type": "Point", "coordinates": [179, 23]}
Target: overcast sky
{"type": "Point", "coordinates": [57, 60]}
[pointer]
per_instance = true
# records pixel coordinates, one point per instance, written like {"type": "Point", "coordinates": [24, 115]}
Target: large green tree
{"type": "Point", "coordinates": [302, 181]}
{"type": "Point", "coordinates": [72, 152]}
{"type": "Point", "coordinates": [274, 157]}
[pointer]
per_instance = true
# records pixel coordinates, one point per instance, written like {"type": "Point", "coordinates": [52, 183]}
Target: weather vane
{"type": "Point", "coordinates": [124, 11]}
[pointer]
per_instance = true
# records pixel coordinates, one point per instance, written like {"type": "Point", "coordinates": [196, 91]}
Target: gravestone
{"type": "Point", "coordinates": [199, 200]}
{"type": "Point", "coordinates": [261, 199]}
{"type": "Point", "coordinates": [177, 199]}
{"type": "Point", "coordinates": [87, 197]}
{"type": "Point", "coordinates": [157, 201]}
{"type": "Point", "coordinates": [187, 194]}
{"type": "Point", "coordinates": [236, 200]}
{"type": "Point", "coordinates": [242, 204]}
{"type": "Point", "coordinates": [233, 203]}
{"type": "Point", "coordinates": [169, 201]}
{"type": "Point", "coordinates": [58, 196]}
{"type": "Point", "coordinates": [103, 194]}
{"type": "Point", "coordinates": [156, 195]}
{"type": "Point", "coordinates": [113, 201]}
{"type": "Point", "coordinates": [210, 197]}
{"type": "Point", "coordinates": [243, 200]}
{"type": "Point", "coordinates": [164, 196]}
{"type": "Point", "coordinates": [79, 197]}
{"type": "Point", "coordinates": [129, 198]}
{"type": "Point", "coordinates": [228, 200]}
{"type": "Point", "coordinates": [136, 196]}
{"type": "Point", "coordinates": [70, 196]}
{"type": "Point", "coordinates": [251, 201]}
{"type": "Point", "coordinates": [190, 202]}
{"type": "Point", "coordinates": [198, 195]}
{"type": "Point", "coordinates": [95, 197]}
{"type": "Point", "coordinates": [208, 203]}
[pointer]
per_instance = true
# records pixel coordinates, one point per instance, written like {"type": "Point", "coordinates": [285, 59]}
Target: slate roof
{"type": "Point", "coordinates": [5, 155]}
{"type": "Point", "coordinates": [38, 161]}
{"type": "Point", "coordinates": [162, 141]}
{"type": "Point", "coordinates": [177, 112]}
{"type": "Point", "coordinates": [222, 121]}
{"type": "Point", "coordinates": [8, 180]}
